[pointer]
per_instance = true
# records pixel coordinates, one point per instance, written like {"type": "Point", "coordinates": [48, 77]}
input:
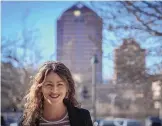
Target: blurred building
{"type": "Point", "coordinates": [131, 77]}
{"type": "Point", "coordinates": [79, 37]}
{"type": "Point", "coordinates": [132, 92]}
{"type": "Point", "coordinates": [129, 62]}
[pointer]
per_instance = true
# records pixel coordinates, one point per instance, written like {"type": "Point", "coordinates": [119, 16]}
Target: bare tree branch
{"type": "Point", "coordinates": [141, 10]}
{"type": "Point", "coordinates": [147, 27]}
{"type": "Point", "coordinates": [153, 7]}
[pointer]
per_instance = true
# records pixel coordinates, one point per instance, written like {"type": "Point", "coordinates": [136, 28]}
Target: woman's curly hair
{"type": "Point", "coordinates": [34, 99]}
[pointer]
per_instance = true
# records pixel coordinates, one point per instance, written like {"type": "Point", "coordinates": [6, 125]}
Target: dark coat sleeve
{"type": "Point", "coordinates": [85, 115]}
{"type": "Point", "coordinates": [89, 121]}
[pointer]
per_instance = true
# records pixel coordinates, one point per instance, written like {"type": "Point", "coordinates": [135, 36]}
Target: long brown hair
{"type": "Point", "coordinates": [34, 99]}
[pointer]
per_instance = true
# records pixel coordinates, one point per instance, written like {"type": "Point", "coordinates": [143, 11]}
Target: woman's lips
{"type": "Point", "coordinates": [54, 96]}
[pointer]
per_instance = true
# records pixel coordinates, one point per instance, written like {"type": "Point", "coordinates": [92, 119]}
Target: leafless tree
{"type": "Point", "coordinates": [20, 55]}
{"type": "Point", "coordinates": [140, 20]}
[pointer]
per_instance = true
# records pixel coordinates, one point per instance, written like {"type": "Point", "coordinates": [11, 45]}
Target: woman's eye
{"type": "Point", "coordinates": [49, 85]}
{"type": "Point", "coordinates": [60, 84]}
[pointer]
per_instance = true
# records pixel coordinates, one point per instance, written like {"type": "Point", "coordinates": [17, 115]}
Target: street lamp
{"type": "Point", "coordinates": [94, 61]}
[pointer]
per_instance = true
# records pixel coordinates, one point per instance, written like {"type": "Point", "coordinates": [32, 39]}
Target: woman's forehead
{"type": "Point", "coordinates": [54, 77]}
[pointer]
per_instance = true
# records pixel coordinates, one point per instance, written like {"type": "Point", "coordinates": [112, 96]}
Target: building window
{"type": "Point", "coordinates": [79, 20]}
{"type": "Point", "coordinates": [78, 16]}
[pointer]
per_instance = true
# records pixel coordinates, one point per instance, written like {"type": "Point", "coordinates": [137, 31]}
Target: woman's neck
{"type": "Point", "coordinates": [54, 112]}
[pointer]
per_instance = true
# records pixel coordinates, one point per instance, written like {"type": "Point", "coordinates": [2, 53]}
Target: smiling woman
{"type": "Point", "coordinates": [51, 100]}
{"type": "Point", "coordinates": [54, 89]}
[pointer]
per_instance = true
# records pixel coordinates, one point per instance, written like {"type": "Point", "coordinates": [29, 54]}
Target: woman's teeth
{"type": "Point", "coordinates": [54, 96]}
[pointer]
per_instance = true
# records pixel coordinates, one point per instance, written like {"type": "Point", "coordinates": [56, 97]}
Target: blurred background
{"type": "Point", "coordinates": [113, 49]}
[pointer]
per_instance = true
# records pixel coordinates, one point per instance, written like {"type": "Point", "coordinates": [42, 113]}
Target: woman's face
{"type": "Point", "coordinates": [54, 89]}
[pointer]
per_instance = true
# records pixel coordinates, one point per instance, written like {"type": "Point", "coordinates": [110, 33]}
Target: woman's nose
{"type": "Point", "coordinates": [54, 88]}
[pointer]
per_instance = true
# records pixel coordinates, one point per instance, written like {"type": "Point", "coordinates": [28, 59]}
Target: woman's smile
{"type": "Point", "coordinates": [54, 96]}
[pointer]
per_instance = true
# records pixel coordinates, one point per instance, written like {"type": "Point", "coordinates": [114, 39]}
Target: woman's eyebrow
{"type": "Point", "coordinates": [60, 81]}
{"type": "Point", "coordinates": [48, 81]}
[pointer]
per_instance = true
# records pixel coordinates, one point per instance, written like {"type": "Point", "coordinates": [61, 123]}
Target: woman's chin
{"type": "Point", "coordinates": [54, 101]}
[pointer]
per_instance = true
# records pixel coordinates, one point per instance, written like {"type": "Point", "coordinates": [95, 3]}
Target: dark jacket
{"type": "Point", "coordinates": [77, 116]}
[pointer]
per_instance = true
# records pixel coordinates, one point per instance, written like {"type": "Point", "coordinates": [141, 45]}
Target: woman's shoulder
{"type": "Point", "coordinates": [82, 111]}
{"type": "Point", "coordinates": [84, 116]}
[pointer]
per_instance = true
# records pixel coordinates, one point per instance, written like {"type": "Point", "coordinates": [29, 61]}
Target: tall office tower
{"type": "Point", "coordinates": [79, 37]}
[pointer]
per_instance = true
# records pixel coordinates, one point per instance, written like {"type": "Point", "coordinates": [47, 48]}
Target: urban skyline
{"type": "Point", "coordinates": [12, 13]}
